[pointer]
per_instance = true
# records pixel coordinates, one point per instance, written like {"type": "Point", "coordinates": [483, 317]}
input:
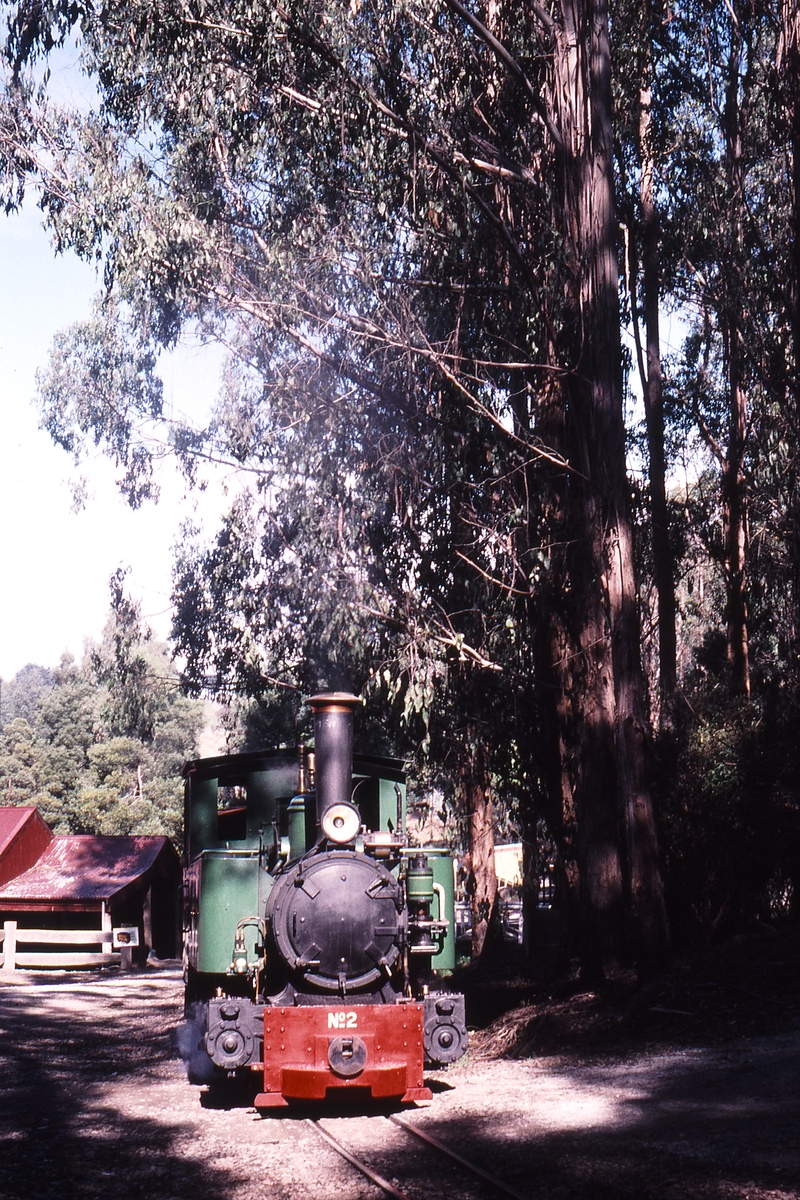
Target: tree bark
{"type": "Point", "coordinates": [734, 494]}
{"type": "Point", "coordinates": [477, 796]}
{"type": "Point", "coordinates": [790, 73]}
{"type": "Point", "coordinates": [616, 852]}
{"type": "Point", "coordinates": [663, 568]}
{"type": "Point", "coordinates": [734, 521]}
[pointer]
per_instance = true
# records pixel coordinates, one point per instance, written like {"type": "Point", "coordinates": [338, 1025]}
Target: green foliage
{"type": "Point", "coordinates": [20, 695]}
{"type": "Point", "coordinates": [99, 385]}
{"type": "Point", "coordinates": [333, 197]}
{"type": "Point", "coordinates": [345, 203]}
{"type": "Point", "coordinates": [22, 763]}
{"type": "Point", "coordinates": [123, 791]}
{"type": "Point", "coordinates": [730, 815]}
{"type": "Point", "coordinates": [106, 741]}
{"type": "Point", "coordinates": [132, 705]}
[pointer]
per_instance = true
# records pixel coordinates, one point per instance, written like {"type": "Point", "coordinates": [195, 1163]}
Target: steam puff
{"type": "Point", "coordinates": [190, 1037]}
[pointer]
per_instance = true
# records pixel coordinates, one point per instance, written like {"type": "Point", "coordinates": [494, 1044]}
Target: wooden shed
{"type": "Point", "coordinates": [24, 837]}
{"type": "Point", "coordinates": [84, 897]}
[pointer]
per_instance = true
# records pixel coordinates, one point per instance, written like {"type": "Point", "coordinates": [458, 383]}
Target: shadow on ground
{"type": "Point", "coordinates": [662, 1127]}
{"type": "Point", "coordinates": [93, 1103]}
{"type": "Point", "coordinates": [61, 1134]}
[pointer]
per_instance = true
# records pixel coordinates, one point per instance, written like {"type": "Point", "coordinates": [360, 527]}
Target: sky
{"type": "Point", "coordinates": [55, 563]}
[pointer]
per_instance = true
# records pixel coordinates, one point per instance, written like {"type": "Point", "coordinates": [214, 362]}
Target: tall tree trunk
{"type": "Point", "coordinates": [790, 74]}
{"type": "Point", "coordinates": [602, 676]}
{"type": "Point", "coordinates": [663, 568]}
{"type": "Point", "coordinates": [477, 795]}
{"type": "Point", "coordinates": [553, 651]}
{"type": "Point", "coordinates": [734, 495]}
{"type": "Point", "coordinates": [734, 521]}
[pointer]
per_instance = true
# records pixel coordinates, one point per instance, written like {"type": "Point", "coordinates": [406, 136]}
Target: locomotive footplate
{"type": "Point", "coordinates": [374, 1049]}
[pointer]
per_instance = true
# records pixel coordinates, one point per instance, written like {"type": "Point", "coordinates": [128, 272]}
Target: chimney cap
{"type": "Point", "coordinates": [334, 702]}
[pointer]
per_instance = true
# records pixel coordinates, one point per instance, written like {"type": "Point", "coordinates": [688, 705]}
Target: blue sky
{"type": "Point", "coordinates": [55, 563]}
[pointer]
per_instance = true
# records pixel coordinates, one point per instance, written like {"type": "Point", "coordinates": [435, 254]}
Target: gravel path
{"type": "Point", "coordinates": [94, 1103]}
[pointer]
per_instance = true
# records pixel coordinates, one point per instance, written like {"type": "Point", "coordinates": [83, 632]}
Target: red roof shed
{"type": "Point", "coordinates": [79, 870]}
{"type": "Point", "coordinates": [24, 837]}
{"type": "Point", "coordinates": [85, 882]}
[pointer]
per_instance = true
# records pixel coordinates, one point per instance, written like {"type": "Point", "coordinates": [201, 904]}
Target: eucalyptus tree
{"type": "Point", "coordinates": [788, 72]}
{"type": "Point", "coordinates": [325, 577]}
{"type": "Point", "coordinates": [728, 208]}
{"type": "Point", "coordinates": [646, 93]}
{"type": "Point", "coordinates": [402, 215]}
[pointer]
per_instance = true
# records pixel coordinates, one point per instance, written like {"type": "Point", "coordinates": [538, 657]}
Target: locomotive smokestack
{"type": "Point", "coordinates": [333, 748]}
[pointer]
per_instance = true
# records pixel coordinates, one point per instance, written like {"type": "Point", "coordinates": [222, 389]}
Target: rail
{"type": "Point", "coordinates": [12, 959]}
{"type": "Point", "coordinates": [389, 1187]}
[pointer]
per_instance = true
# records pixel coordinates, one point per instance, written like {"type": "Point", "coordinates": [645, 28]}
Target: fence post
{"type": "Point", "coordinates": [106, 945]}
{"type": "Point", "coordinates": [9, 945]}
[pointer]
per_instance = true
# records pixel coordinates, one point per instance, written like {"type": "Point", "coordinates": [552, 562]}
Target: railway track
{"type": "Point", "coordinates": [389, 1187]}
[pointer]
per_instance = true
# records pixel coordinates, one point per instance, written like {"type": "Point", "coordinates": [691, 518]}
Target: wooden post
{"type": "Point", "coordinates": [147, 923]}
{"type": "Point", "coordinates": [106, 926]}
{"type": "Point", "coordinates": [9, 945]}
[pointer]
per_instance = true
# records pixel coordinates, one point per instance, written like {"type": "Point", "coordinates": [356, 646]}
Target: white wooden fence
{"type": "Point", "coordinates": [11, 937]}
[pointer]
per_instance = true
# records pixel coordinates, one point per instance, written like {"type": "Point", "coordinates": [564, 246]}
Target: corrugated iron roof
{"type": "Point", "coordinates": [85, 867]}
{"type": "Point", "coordinates": [11, 821]}
{"type": "Point", "coordinates": [24, 836]}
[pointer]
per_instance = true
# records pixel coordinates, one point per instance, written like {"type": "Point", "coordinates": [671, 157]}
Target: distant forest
{"type": "Point", "coordinates": [98, 746]}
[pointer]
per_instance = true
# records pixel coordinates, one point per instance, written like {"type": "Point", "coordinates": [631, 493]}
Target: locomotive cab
{"type": "Point", "coordinates": [312, 930]}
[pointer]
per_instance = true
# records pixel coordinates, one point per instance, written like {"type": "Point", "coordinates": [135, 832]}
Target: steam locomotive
{"type": "Point", "coordinates": [313, 931]}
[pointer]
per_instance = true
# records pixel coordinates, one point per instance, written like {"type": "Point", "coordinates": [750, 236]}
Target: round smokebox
{"type": "Point", "coordinates": [334, 920]}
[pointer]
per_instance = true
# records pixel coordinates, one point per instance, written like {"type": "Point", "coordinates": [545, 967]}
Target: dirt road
{"type": "Point", "coordinates": [94, 1103]}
